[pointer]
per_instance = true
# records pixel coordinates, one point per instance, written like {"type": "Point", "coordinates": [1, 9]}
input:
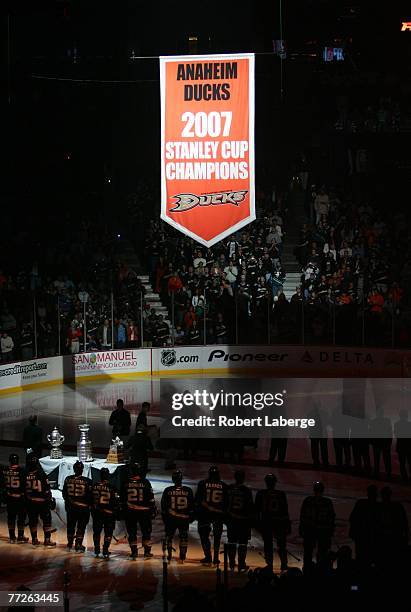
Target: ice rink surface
{"type": "Point", "coordinates": [120, 584]}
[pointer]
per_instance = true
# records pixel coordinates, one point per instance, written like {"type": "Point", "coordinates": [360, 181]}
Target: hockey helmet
{"type": "Point", "coordinates": [32, 461]}
{"type": "Point", "coordinates": [14, 459]}
{"type": "Point", "coordinates": [177, 477]}
{"type": "Point", "coordinates": [214, 473]}
{"type": "Point", "coordinates": [318, 487]}
{"type": "Point", "coordinates": [270, 481]}
{"type": "Point", "coordinates": [78, 468]}
{"type": "Point", "coordinates": [136, 469]}
{"type": "Point", "coordinates": [239, 476]}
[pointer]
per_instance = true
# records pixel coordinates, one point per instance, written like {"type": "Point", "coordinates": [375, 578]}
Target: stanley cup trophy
{"type": "Point", "coordinates": [84, 444]}
{"type": "Point", "coordinates": [56, 439]}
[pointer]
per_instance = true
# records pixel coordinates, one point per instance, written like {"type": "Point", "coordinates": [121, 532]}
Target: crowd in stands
{"type": "Point", "coordinates": [363, 101]}
{"type": "Point", "coordinates": [384, 117]}
{"type": "Point", "coordinates": [208, 290]}
{"type": "Point", "coordinates": [355, 261]}
{"type": "Point", "coordinates": [354, 288]}
{"type": "Point", "coordinates": [220, 294]}
{"type": "Point", "coordinates": [355, 271]}
{"type": "Point", "coordinates": [42, 308]}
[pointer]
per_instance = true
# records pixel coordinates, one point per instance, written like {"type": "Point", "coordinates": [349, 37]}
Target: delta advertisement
{"type": "Point", "coordinates": [207, 144]}
{"type": "Point", "coordinates": [279, 360]}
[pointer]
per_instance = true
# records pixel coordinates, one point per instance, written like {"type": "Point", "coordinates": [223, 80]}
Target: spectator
{"type": "Point", "coordinates": [8, 320]}
{"type": "Point", "coordinates": [105, 336]}
{"type": "Point", "coordinates": [189, 318]}
{"type": "Point", "coordinates": [92, 344]}
{"type": "Point", "coordinates": [121, 334]}
{"type": "Point", "coordinates": [193, 334]}
{"type": "Point", "coordinates": [174, 284]}
{"type": "Point", "coordinates": [132, 335]}
{"type": "Point", "coordinates": [199, 259]}
{"type": "Point", "coordinates": [321, 204]}
{"type": "Point", "coordinates": [221, 330]}
{"type": "Point", "coordinates": [162, 332]}
{"type": "Point", "coordinates": [7, 347]}
{"type": "Point", "coordinates": [33, 437]}
{"type": "Point", "coordinates": [231, 273]}
{"type": "Point", "coordinates": [73, 338]}
{"type": "Point", "coordinates": [26, 342]}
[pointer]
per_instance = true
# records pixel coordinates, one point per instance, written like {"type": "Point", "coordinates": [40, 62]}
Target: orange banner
{"type": "Point", "coordinates": [207, 144]}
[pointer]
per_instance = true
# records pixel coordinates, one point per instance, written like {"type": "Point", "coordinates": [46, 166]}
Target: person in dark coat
{"type": "Point", "coordinates": [402, 432]}
{"type": "Point", "coordinates": [33, 436]}
{"type": "Point", "coordinates": [138, 447]}
{"type": "Point", "coordinates": [392, 529]}
{"type": "Point", "coordinates": [381, 440]}
{"type": "Point", "coordinates": [363, 527]}
{"type": "Point", "coordinates": [142, 415]}
{"type": "Point", "coordinates": [120, 420]}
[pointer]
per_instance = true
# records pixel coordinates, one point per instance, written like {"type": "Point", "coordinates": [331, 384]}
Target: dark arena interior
{"type": "Point", "coordinates": [205, 313]}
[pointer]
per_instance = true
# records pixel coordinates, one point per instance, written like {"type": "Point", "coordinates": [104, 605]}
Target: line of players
{"type": "Point", "coordinates": [26, 492]}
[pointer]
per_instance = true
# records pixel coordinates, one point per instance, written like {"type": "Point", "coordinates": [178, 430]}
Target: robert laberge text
{"type": "Point", "coordinates": [224, 421]}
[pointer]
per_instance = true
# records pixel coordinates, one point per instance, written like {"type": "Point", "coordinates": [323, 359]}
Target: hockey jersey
{"type": "Point", "coordinates": [77, 492]}
{"type": "Point", "coordinates": [37, 487]}
{"type": "Point", "coordinates": [271, 506]}
{"type": "Point", "coordinates": [317, 513]}
{"type": "Point", "coordinates": [177, 502]}
{"type": "Point", "coordinates": [211, 497]}
{"type": "Point", "coordinates": [240, 504]}
{"type": "Point", "coordinates": [138, 496]}
{"type": "Point", "coordinates": [105, 498]}
{"type": "Point", "coordinates": [13, 483]}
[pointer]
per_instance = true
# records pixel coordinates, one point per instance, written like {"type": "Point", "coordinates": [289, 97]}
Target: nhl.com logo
{"type": "Point", "coordinates": [168, 357]}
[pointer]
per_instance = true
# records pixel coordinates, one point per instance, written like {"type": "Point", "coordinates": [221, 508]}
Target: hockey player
{"type": "Point", "coordinates": [77, 494]}
{"type": "Point", "coordinates": [105, 505]}
{"type": "Point", "coordinates": [273, 520]}
{"type": "Point", "coordinates": [13, 484]}
{"type": "Point", "coordinates": [177, 509]}
{"type": "Point", "coordinates": [317, 524]}
{"type": "Point", "coordinates": [39, 501]}
{"type": "Point", "coordinates": [211, 505]}
{"type": "Point", "coordinates": [392, 530]}
{"type": "Point", "coordinates": [240, 513]}
{"type": "Point", "coordinates": [140, 508]}
{"type": "Point", "coordinates": [363, 527]}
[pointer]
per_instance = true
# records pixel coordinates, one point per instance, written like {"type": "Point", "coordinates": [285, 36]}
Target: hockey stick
{"type": "Point", "coordinates": [288, 553]}
{"type": "Point", "coordinates": [59, 517]}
